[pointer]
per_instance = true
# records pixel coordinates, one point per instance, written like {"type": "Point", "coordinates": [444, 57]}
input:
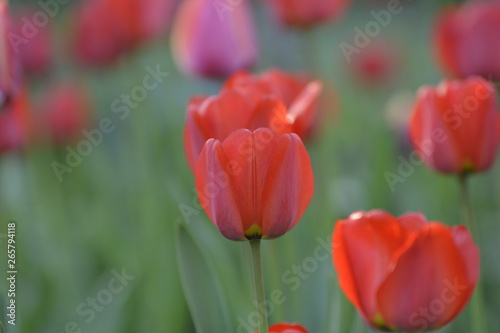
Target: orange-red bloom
{"type": "Point", "coordinates": [455, 126]}
{"type": "Point", "coordinates": [274, 99]}
{"type": "Point", "coordinates": [64, 113]}
{"type": "Point", "coordinates": [287, 328]}
{"type": "Point", "coordinates": [213, 39]}
{"type": "Point", "coordinates": [254, 184]}
{"type": "Point", "coordinates": [404, 274]}
{"type": "Point", "coordinates": [467, 42]}
{"type": "Point", "coordinates": [302, 13]}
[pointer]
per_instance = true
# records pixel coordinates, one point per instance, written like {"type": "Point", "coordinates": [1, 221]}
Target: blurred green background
{"type": "Point", "coordinates": [121, 208]}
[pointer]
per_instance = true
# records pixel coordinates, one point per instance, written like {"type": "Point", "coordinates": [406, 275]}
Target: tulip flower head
{"type": "Point", "coordinates": [404, 273]}
{"type": "Point", "coordinates": [300, 13]}
{"type": "Point", "coordinates": [287, 328]}
{"type": "Point", "coordinates": [254, 185]}
{"type": "Point", "coordinates": [210, 42]}
{"type": "Point", "coordinates": [467, 42]}
{"type": "Point", "coordinates": [455, 126]}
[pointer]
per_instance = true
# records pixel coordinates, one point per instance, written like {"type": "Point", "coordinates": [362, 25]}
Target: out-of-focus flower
{"type": "Point", "coordinates": [64, 113]}
{"type": "Point", "coordinates": [455, 126]}
{"type": "Point", "coordinates": [375, 65]}
{"type": "Point", "coordinates": [106, 29]}
{"type": "Point", "coordinates": [213, 41]}
{"type": "Point", "coordinates": [34, 49]}
{"type": "Point", "coordinates": [254, 184]}
{"type": "Point", "coordinates": [15, 124]}
{"type": "Point", "coordinates": [9, 65]}
{"type": "Point", "coordinates": [287, 328]}
{"type": "Point", "coordinates": [299, 94]}
{"type": "Point", "coordinates": [467, 41]}
{"type": "Point", "coordinates": [404, 274]}
{"type": "Point", "coordinates": [300, 13]}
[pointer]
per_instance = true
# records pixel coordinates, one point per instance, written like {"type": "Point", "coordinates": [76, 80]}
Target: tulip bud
{"type": "Point", "coordinates": [286, 328]}
{"type": "Point", "coordinates": [254, 185]}
{"type": "Point", "coordinates": [404, 274]}
{"type": "Point", "coordinates": [455, 126]}
{"type": "Point", "coordinates": [300, 13]}
{"type": "Point", "coordinates": [213, 40]}
{"type": "Point", "coordinates": [467, 42]}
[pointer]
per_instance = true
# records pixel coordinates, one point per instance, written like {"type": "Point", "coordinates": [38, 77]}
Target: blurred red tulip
{"type": "Point", "coordinates": [254, 184]}
{"type": "Point", "coordinates": [404, 274]}
{"type": "Point", "coordinates": [35, 51]}
{"type": "Point", "coordinates": [106, 29]}
{"type": "Point", "coordinates": [455, 126]}
{"type": "Point", "coordinates": [65, 113]}
{"type": "Point", "coordinates": [218, 116]}
{"type": "Point", "coordinates": [9, 64]}
{"type": "Point", "coordinates": [300, 13]}
{"type": "Point", "coordinates": [467, 41]}
{"type": "Point", "coordinates": [212, 40]}
{"type": "Point", "coordinates": [287, 328]}
{"type": "Point", "coordinates": [299, 94]}
{"type": "Point", "coordinates": [15, 124]}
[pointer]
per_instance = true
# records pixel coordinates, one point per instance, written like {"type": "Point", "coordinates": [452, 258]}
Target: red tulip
{"type": "Point", "coordinates": [65, 113]}
{"type": "Point", "coordinates": [287, 328]}
{"type": "Point", "coordinates": [299, 94]}
{"type": "Point", "coordinates": [467, 41]}
{"type": "Point", "coordinates": [34, 50]}
{"type": "Point", "coordinates": [15, 124]}
{"type": "Point", "coordinates": [455, 126]}
{"type": "Point", "coordinates": [254, 185]}
{"type": "Point", "coordinates": [404, 274]}
{"type": "Point", "coordinates": [9, 64]}
{"type": "Point", "coordinates": [211, 40]}
{"type": "Point", "coordinates": [218, 116]}
{"type": "Point", "coordinates": [302, 13]}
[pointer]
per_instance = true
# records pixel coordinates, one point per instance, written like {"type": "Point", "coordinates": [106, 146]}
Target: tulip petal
{"type": "Point", "coordinates": [301, 112]}
{"type": "Point", "coordinates": [270, 112]}
{"type": "Point", "coordinates": [428, 285]}
{"type": "Point", "coordinates": [288, 187]}
{"type": "Point", "coordinates": [216, 190]}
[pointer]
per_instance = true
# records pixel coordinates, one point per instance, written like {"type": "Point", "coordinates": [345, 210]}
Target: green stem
{"type": "Point", "coordinates": [258, 280]}
{"type": "Point", "coordinates": [477, 301]}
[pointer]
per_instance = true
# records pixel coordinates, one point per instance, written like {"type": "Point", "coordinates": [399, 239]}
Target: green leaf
{"type": "Point", "coordinates": [202, 287]}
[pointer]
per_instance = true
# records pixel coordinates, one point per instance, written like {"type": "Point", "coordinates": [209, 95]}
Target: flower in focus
{"type": "Point", "coordinates": [10, 71]}
{"type": "Point", "coordinates": [299, 94]}
{"type": "Point", "coordinates": [64, 113]}
{"type": "Point", "coordinates": [15, 124]}
{"type": "Point", "coordinates": [404, 274]}
{"type": "Point", "coordinates": [287, 328]}
{"type": "Point", "coordinates": [300, 13]}
{"type": "Point", "coordinates": [254, 185]}
{"type": "Point", "coordinates": [34, 49]}
{"type": "Point", "coordinates": [213, 41]}
{"type": "Point", "coordinates": [455, 126]}
{"type": "Point", "coordinates": [467, 42]}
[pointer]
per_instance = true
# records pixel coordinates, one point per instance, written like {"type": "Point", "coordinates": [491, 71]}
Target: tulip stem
{"type": "Point", "coordinates": [477, 301]}
{"type": "Point", "coordinates": [258, 280]}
